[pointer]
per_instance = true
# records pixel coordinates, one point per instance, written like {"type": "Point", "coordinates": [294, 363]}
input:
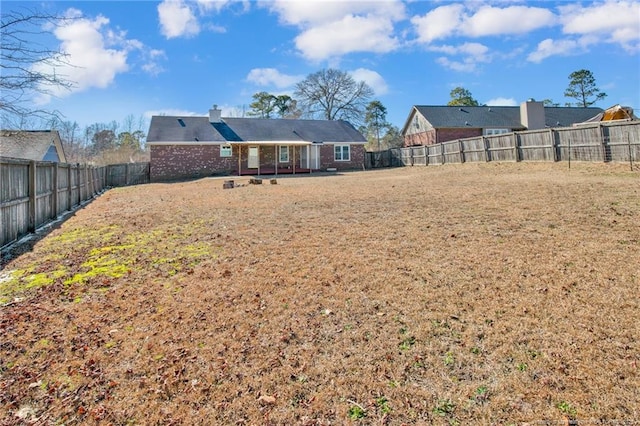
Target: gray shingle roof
{"type": "Point", "coordinates": [500, 116]}
{"type": "Point", "coordinates": [169, 129]}
{"type": "Point", "coordinates": [37, 145]}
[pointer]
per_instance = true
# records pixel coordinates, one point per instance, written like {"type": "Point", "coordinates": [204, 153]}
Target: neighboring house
{"type": "Point", "coordinates": [37, 145]}
{"type": "Point", "coordinates": [185, 147]}
{"type": "Point", "coordinates": [428, 125]}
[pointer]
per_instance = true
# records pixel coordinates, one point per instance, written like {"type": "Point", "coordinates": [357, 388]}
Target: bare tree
{"type": "Point", "coordinates": [334, 95]}
{"type": "Point", "coordinates": [72, 144]}
{"type": "Point", "coordinates": [28, 68]}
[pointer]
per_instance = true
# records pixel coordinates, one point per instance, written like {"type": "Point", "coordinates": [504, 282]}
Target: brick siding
{"type": "Point", "coordinates": [327, 158]}
{"type": "Point", "coordinates": [434, 136]}
{"type": "Point", "coordinates": [175, 162]}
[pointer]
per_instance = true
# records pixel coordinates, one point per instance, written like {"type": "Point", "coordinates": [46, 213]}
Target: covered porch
{"type": "Point", "coordinates": [274, 158]}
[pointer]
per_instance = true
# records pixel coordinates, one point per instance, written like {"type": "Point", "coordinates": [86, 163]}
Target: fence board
{"type": "Point", "coordinates": [434, 154]}
{"type": "Point", "coordinates": [502, 147]}
{"type": "Point", "coordinates": [536, 146]}
{"type": "Point", "coordinates": [35, 193]}
{"type": "Point", "coordinates": [452, 152]}
{"type": "Point", "coordinates": [581, 144]}
{"type": "Point", "coordinates": [473, 150]}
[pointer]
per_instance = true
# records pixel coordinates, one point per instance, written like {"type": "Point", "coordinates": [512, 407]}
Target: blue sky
{"type": "Point", "coordinates": [180, 57]}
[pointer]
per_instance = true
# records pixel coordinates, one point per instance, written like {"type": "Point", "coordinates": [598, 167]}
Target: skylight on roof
{"type": "Point", "coordinates": [181, 122]}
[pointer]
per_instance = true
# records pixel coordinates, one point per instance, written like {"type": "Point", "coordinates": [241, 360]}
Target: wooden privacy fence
{"type": "Point", "coordinates": [590, 142]}
{"type": "Point", "coordinates": [33, 193]}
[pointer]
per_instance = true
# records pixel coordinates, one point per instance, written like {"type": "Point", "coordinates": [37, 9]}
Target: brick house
{"type": "Point", "coordinates": [191, 147]}
{"type": "Point", "coordinates": [428, 125]}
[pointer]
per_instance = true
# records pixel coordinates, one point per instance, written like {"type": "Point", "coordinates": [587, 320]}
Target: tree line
{"type": "Point", "coordinates": [104, 143]}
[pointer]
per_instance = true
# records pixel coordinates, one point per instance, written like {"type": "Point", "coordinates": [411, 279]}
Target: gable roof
{"type": "Point", "coordinates": [36, 145]}
{"type": "Point", "coordinates": [194, 130]}
{"type": "Point", "coordinates": [496, 116]}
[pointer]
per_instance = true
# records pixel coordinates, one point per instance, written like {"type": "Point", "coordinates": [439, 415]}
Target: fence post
{"type": "Point", "coordinates": [126, 175]}
{"type": "Point", "coordinates": [516, 138]}
{"type": "Point", "coordinates": [54, 197]}
{"type": "Point", "coordinates": [78, 183]}
{"type": "Point", "coordinates": [552, 141]}
{"type": "Point", "coordinates": [485, 144]}
{"type": "Point", "coordinates": [630, 153]}
{"type": "Point", "coordinates": [69, 188]}
{"type": "Point", "coordinates": [32, 196]}
{"type": "Point", "coordinates": [461, 149]}
{"type": "Point", "coordinates": [602, 142]}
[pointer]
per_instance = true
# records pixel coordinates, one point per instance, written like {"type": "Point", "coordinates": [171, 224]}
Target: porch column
{"type": "Point", "coordinates": [239, 160]}
{"type": "Point", "coordinates": [294, 158]}
{"type": "Point", "coordinates": [276, 158]}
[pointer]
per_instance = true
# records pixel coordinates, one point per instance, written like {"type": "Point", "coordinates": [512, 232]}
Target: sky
{"type": "Point", "coordinates": [178, 57]}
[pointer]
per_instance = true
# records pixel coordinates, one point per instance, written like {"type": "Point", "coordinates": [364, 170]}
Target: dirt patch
{"type": "Point", "coordinates": [466, 294]}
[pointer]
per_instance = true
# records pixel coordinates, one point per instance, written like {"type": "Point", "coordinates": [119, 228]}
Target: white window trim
{"type": "Point", "coordinates": [283, 150]}
{"type": "Point", "coordinates": [226, 148]}
{"type": "Point", "coordinates": [341, 152]}
{"type": "Point", "coordinates": [495, 131]}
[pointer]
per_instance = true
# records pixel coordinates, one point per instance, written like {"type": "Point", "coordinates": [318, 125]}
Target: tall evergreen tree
{"type": "Point", "coordinates": [582, 86]}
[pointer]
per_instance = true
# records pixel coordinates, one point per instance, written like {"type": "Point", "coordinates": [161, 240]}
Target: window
{"type": "Point", "coordinates": [181, 122]}
{"type": "Point", "coordinates": [342, 153]}
{"type": "Point", "coordinates": [284, 154]}
{"type": "Point", "coordinates": [489, 132]}
{"type": "Point", "coordinates": [225, 150]}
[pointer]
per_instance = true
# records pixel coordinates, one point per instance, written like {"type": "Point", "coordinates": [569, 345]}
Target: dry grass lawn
{"type": "Point", "coordinates": [465, 294]}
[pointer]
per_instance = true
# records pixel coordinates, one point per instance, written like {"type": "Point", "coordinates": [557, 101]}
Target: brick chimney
{"type": "Point", "coordinates": [532, 115]}
{"type": "Point", "coordinates": [214, 114]}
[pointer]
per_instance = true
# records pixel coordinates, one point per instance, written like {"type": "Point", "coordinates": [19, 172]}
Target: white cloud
{"type": "Point", "coordinates": [151, 65]}
{"type": "Point", "coordinates": [332, 29]}
{"type": "Point", "coordinates": [372, 78]}
{"type": "Point", "coordinates": [462, 20]}
{"type": "Point", "coordinates": [309, 13]}
{"type": "Point", "coordinates": [438, 23]}
{"type": "Point", "coordinates": [550, 47]}
{"type": "Point", "coordinates": [272, 77]}
{"type": "Point", "coordinates": [472, 55]}
{"type": "Point", "coordinates": [177, 19]}
{"type": "Point", "coordinates": [89, 62]}
{"type": "Point", "coordinates": [182, 18]}
{"type": "Point", "coordinates": [502, 102]}
{"type": "Point", "coordinates": [455, 20]}
{"type": "Point", "coordinates": [465, 65]}
{"type": "Point", "coordinates": [95, 55]}
{"type": "Point", "coordinates": [489, 21]}
{"type": "Point", "coordinates": [349, 34]}
{"type": "Point", "coordinates": [614, 21]}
